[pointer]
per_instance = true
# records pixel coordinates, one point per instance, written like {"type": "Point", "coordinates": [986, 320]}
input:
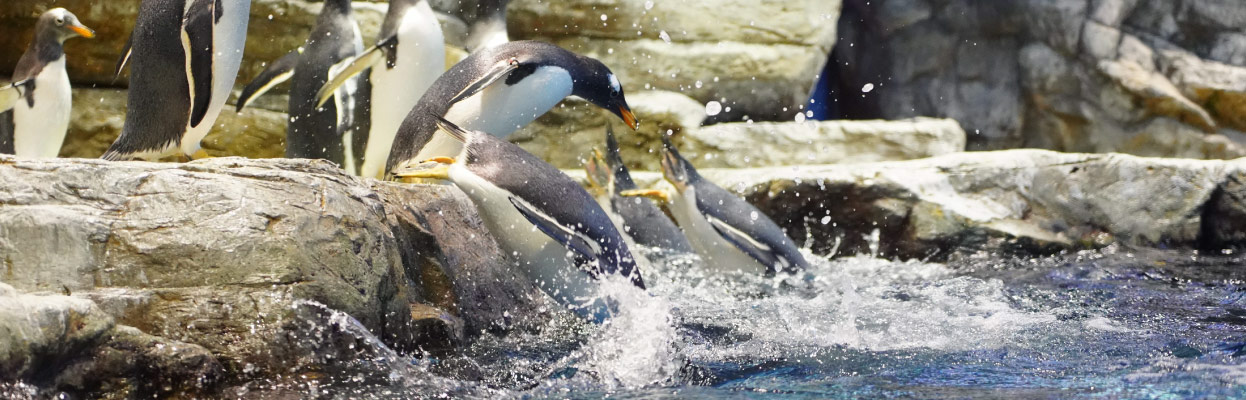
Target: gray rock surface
{"type": "Point", "coordinates": [267, 265]}
{"type": "Point", "coordinates": [566, 135]}
{"type": "Point", "coordinates": [1008, 202]}
{"type": "Point", "coordinates": [1153, 78]}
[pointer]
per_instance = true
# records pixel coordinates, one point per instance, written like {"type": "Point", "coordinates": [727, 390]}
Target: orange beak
{"type": "Point", "coordinates": [82, 31]}
{"type": "Point", "coordinates": [629, 118]}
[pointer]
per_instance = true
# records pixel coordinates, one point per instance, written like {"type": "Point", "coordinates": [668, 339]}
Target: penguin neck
{"type": "Point", "coordinates": [336, 7]}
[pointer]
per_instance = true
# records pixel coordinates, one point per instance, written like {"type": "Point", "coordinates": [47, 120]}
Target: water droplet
{"type": "Point", "coordinates": [604, 17]}
{"type": "Point", "coordinates": [826, 220]}
{"type": "Point", "coordinates": [752, 215]}
{"type": "Point", "coordinates": [648, 5]}
{"type": "Point", "coordinates": [698, 84]}
{"type": "Point", "coordinates": [713, 108]}
{"type": "Point", "coordinates": [867, 88]}
{"type": "Point", "coordinates": [666, 37]}
{"type": "Point", "coordinates": [800, 117]}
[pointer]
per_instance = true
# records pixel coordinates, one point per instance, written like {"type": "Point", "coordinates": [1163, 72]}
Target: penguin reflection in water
{"type": "Point", "coordinates": [184, 56]}
{"type": "Point", "coordinates": [729, 233]}
{"type": "Point", "coordinates": [557, 234]}
{"type": "Point", "coordinates": [336, 131]}
{"type": "Point", "coordinates": [34, 109]}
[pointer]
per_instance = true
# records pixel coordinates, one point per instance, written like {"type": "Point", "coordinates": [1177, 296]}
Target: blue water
{"type": "Point", "coordinates": [1116, 323]}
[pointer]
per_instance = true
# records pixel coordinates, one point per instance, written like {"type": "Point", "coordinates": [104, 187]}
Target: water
{"type": "Point", "coordinates": [1105, 324]}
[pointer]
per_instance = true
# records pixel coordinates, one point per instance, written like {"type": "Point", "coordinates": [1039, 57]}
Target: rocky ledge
{"type": "Point", "coordinates": [230, 276]}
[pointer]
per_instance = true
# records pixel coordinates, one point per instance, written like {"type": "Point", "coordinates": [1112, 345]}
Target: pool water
{"type": "Point", "coordinates": [1113, 323]}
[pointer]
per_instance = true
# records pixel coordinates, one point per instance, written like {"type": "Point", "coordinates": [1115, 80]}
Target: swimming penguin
{"type": "Point", "coordinates": [184, 56]}
{"type": "Point", "coordinates": [637, 218]}
{"type": "Point", "coordinates": [408, 57]}
{"type": "Point", "coordinates": [335, 131]}
{"type": "Point", "coordinates": [501, 89]}
{"type": "Point", "coordinates": [728, 232]}
{"type": "Point", "coordinates": [34, 109]}
{"type": "Point", "coordinates": [558, 235]}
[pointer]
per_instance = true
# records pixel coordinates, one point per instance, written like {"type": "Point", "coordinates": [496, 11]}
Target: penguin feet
{"type": "Point", "coordinates": [199, 155]}
{"type": "Point", "coordinates": [422, 172]}
{"type": "Point", "coordinates": [655, 194]}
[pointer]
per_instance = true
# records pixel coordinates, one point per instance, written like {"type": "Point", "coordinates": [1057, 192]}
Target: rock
{"type": "Point", "coordinates": [1066, 75]}
{"type": "Point", "coordinates": [1022, 202]}
{"type": "Point", "coordinates": [255, 260]}
{"type": "Point", "coordinates": [39, 331]}
{"type": "Point", "coordinates": [759, 59]}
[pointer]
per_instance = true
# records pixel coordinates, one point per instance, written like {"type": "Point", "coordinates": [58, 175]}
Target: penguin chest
{"type": "Point", "coordinates": [39, 129]}
{"type": "Point", "coordinates": [546, 262]}
{"type": "Point", "coordinates": [503, 108]}
{"type": "Point", "coordinates": [716, 252]}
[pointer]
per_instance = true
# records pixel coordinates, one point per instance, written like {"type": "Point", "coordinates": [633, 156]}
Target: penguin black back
{"type": "Point", "coordinates": [314, 131]}
{"type": "Point", "coordinates": [172, 99]}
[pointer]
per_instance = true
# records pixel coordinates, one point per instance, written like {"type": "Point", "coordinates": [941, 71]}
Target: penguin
{"type": "Point", "coordinates": [729, 233]}
{"type": "Point", "coordinates": [407, 58]}
{"type": "Point", "coordinates": [501, 89]}
{"type": "Point", "coordinates": [558, 235]}
{"type": "Point", "coordinates": [34, 109]}
{"type": "Point", "coordinates": [486, 22]}
{"type": "Point", "coordinates": [334, 131]}
{"type": "Point", "coordinates": [636, 218]}
{"type": "Point", "coordinates": [184, 56]}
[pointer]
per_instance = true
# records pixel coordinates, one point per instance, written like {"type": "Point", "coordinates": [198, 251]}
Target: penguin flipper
{"type": "Point", "coordinates": [10, 93]}
{"type": "Point", "coordinates": [575, 241]}
{"type": "Point", "coordinates": [759, 251]}
{"type": "Point", "coordinates": [275, 74]}
{"type": "Point", "coordinates": [197, 31]}
{"type": "Point", "coordinates": [495, 74]}
{"type": "Point", "coordinates": [126, 52]}
{"type": "Point", "coordinates": [370, 58]}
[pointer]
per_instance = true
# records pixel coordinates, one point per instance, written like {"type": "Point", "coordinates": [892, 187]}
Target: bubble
{"type": "Point", "coordinates": [867, 88]}
{"type": "Point", "coordinates": [713, 108]}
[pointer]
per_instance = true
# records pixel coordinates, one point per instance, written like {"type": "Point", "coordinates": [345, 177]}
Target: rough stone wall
{"type": "Point", "coordinates": [1156, 78]}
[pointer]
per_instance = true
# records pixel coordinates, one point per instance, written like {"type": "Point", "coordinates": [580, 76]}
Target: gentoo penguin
{"type": "Point", "coordinates": [501, 89]}
{"type": "Point", "coordinates": [728, 232]}
{"type": "Point", "coordinates": [184, 56]}
{"type": "Point", "coordinates": [555, 231]}
{"type": "Point", "coordinates": [34, 109]}
{"type": "Point", "coordinates": [486, 22]}
{"type": "Point", "coordinates": [636, 218]}
{"type": "Point", "coordinates": [326, 131]}
{"type": "Point", "coordinates": [408, 57]}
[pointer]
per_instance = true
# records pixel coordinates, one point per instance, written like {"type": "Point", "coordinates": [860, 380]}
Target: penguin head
{"type": "Point", "coordinates": [600, 86]}
{"type": "Point", "coordinates": [60, 24]}
{"type": "Point", "coordinates": [678, 171]}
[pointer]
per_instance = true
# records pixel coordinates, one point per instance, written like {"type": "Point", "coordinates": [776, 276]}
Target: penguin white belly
{"type": "Point", "coordinates": [228, 39]}
{"type": "Point", "coordinates": [40, 130]}
{"type": "Point", "coordinates": [716, 252]}
{"type": "Point", "coordinates": [421, 59]}
{"type": "Point", "coordinates": [543, 260]}
{"type": "Point", "coordinates": [345, 102]}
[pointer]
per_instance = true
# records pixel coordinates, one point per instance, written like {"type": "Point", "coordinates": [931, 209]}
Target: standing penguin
{"type": "Point", "coordinates": [335, 131]}
{"type": "Point", "coordinates": [184, 56]}
{"type": "Point", "coordinates": [728, 232]}
{"type": "Point", "coordinates": [501, 89]}
{"type": "Point", "coordinates": [485, 19]}
{"type": "Point", "coordinates": [557, 234]}
{"type": "Point", "coordinates": [34, 109]}
{"type": "Point", "coordinates": [636, 218]}
{"type": "Point", "coordinates": [408, 57]}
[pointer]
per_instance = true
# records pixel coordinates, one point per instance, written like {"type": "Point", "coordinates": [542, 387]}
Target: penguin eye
{"type": "Point", "coordinates": [60, 21]}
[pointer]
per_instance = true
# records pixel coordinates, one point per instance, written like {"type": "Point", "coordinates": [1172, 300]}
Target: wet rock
{"type": "Point", "coordinates": [227, 254]}
{"type": "Point", "coordinates": [1022, 202]}
{"type": "Point", "coordinates": [1156, 78]}
{"type": "Point", "coordinates": [761, 58]}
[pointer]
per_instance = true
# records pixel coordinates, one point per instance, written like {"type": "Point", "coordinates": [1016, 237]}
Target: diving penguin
{"type": "Point", "coordinates": [636, 218]}
{"type": "Point", "coordinates": [729, 233]}
{"type": "Point", "coordinates": [408, 57]}
{"type": "Point", "coordinates": [334, 131]}
{"type": "Point", "coordinates": [184, 56]}
{"type": "Point", "coordinates": [501, 89]}
{"type": "Point", "coordinates": [34, 109]}
{"type": "Point", "coordinates": [557, 234]}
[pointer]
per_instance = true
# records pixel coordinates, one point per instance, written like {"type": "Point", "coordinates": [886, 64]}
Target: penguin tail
{"type": "Point", "coordinates": [112, 155]}
{"type": "Point", "coordinates": [455, 131]}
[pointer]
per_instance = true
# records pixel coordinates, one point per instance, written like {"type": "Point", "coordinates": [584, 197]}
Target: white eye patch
{"type": "Point", "coordinates": [614, 83]}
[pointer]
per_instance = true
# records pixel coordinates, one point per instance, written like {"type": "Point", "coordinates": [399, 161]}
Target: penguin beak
{"type": "Point", "coordinates": [416, 174]}
{"type": "Point", "coordinates": [83, 31]}
{"type": "Point", "coordinates": [659, 195]}
{"type": "Point", "coordinates": [628, 117]}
